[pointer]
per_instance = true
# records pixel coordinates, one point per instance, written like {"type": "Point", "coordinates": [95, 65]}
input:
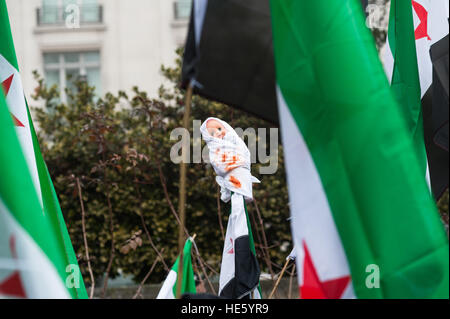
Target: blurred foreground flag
{"type": "Point", "coordinates": [169, 288]}
{"type": "Point", "coordinates": [415, 28]}
{"type": "Point", "coordinates": [32, 265]}
{"type": "Point", "coordinates": [363, 221]}
{"type": "Point", "coordinates": [36, 254]}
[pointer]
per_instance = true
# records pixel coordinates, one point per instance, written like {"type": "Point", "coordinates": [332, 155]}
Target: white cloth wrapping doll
{"type": "Point", "coordinates": [230, 158]}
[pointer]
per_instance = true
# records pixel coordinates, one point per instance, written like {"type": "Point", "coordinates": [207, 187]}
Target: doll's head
{"type": "Point", "coordinates": [215, 129]}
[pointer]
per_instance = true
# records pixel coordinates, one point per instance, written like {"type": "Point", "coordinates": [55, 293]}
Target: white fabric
{"type": "Point", "coordinates": [312, 221]}
{"type": "Point", "coordinates": [231, 160]}
{"type": "Point", "coordinates": [16, 103]}
{"type": "Point", "coordinates": [437, 28]}
{"type": "Point", "coordinates": [39, 277]}
{"type": "Point", "coordinates": [166, 291]}
{"type": "Point", "coordinates": [236, 227]}
{"type": "Point", "coordinates": [293, 254]}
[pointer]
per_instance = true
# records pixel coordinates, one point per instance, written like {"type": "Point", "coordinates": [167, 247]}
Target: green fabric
{"type": "Point", "coordinates": [188, 281]}
{"type": "Point", "coordinates": [51, 205]}
{"type": "Point", "coordinates": [329, 74]}
{"type": "Point", "coordinates": [6, 43]}
{"type": "Point", "coordinates": [405, 77]}
{"type": "Point", "coordinates": [19, 195]}
{"type": "Point", "coordinates": [54, 214]}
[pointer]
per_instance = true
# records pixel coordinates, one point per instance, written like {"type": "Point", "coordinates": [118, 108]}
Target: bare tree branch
{"type": "Point", "coordinates": [138, 292]}
{"type": "Point", "coordinates": [219, 213]}
{"type": "Point", "coordinates": [263, 236]}
{"type": "Point", "coordinates": [111, 256]}
{"type": "Point", "coordinates": [86, 247]}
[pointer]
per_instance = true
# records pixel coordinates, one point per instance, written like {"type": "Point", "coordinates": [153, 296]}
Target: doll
{"type": "Point", "coordinates": [229, 157]}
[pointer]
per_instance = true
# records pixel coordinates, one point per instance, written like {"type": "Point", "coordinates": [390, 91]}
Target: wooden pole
{"type": "Point", "coordinates": [290, 282]}
{"type": "Point", "coordinates": [182, 191]}
{"type": "Point", "coordinates": [279, 278]}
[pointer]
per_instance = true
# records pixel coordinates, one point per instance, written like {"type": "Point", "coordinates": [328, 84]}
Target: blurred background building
{"type": "Point", "coordinates": [116, 45]}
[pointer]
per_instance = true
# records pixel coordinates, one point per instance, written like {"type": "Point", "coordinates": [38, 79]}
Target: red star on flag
{"type": "Point", "coordinates": [6, 86]}
{"type": "Point", "coordinates": [12, 285]}
{"type": "Point", "coordinates": [231, 251]}
{"type": "Point", "coordinates": [313, 288]}
{"type": "Point", "coordinates": [422, 29]}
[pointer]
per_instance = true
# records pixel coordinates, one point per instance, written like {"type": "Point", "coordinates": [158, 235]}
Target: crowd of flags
{"type": "Point", "coordinates": [363, 153]}
{"type": "Point", "coordinates": [36, 254]}
{"type": "Point", "coordinates": [357, 171]}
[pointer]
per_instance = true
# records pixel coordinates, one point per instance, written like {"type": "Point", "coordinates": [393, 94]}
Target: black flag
{"type": "Point", "coordinates": [435, 110]}
{"type": "Point", "coordinates": [229, 55]}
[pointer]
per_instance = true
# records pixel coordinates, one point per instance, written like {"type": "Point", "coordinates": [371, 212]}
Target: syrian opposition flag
{"type": "Point", "coordinates": [35, 169]}
{"type": "Point", "coordinates": [32, 264]}
{"type": "Point", "coordinates": [169, 288]}
{"type": "Point", "coordinates": [363, 221]}
{"type": "Point", "coordinates": [239, 271]}
{"type": "Point", "coordinates": [414, 27]}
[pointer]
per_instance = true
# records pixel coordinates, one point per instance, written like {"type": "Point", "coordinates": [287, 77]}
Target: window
{"type": "Point", "coordinates": [182, 9]}
{"type": "Point", "coordinates": [63, 68]}
{"type": "Point", "coordinates": [54, 11]}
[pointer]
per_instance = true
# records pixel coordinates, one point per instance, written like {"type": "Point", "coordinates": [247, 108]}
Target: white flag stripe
{"type": "Point", "coordinates": [11, 264]}
{"type": "Point", "coordinates": [388, 62]}
{"type": "Point", "coordinates": [166, 291]}
{"type": "Point", "coordinates": [312, 220]}
{"type": "Point", "coordinates": [236, 227]}
{"type": "Point", "coordinates": [17, 106]}
{"type": "Point", "coordinates": [437, 28]}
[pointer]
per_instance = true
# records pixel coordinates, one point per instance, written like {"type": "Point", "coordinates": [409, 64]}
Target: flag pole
{"type": "Point", "coordinates": [279, 277]}
{"type": "Point", "coordinates": [182, 190]}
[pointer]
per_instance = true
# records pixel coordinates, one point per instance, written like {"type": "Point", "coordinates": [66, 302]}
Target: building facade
{"type": "Point", "coordinates": [114, 44]}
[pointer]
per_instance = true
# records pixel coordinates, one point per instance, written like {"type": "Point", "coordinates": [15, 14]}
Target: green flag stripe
{"type": "Point", "coordinates": [18, 193]}
{"type": "Point", "coordinates": [405, 81]}
{"type": "Point", "coordinates": [188, 281]}
{"type": "Point", "coordinates": [54, 213]}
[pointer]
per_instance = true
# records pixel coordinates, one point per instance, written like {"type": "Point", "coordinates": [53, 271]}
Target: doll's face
{"type": "Point", "coordinates": [215, 129]}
